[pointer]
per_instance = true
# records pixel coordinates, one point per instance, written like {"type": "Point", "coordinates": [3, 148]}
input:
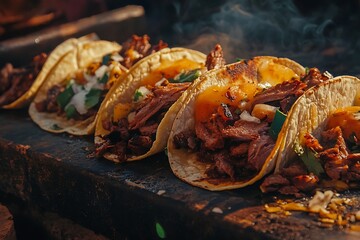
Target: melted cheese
{"type": "Point", "coordinates": [235, 95]}
{"type": "Point", "coordinates": [272, 74]}
{"type": "Point", "coordinates": [169, 69]}
{"type": "Point", "coordinates": [348, 119]}
{"type": "Point", "coordinates": [121, 110]}
{"type": "Point", "coordinates": [357, 99]}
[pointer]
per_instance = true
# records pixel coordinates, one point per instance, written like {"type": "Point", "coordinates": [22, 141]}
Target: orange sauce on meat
{"type": "Point", "coordinates": [348, 119]}
{"type": "Point", "coordinates": [169, 69]}
{"type": "Point", "coordinates": [207, 102]}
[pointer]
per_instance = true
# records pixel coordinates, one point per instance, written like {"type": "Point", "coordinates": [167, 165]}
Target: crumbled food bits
{"type": "Point", "coordinates": [355, 228]}
{"type": "Point", "coordinates": [347, 201]}
{"type": "Point", "coordinates": [270, 209]}
{"type": "Point", "coordinates": [331, 210]}
{"type": "Point", "coordinates": [161, 192]}
{"type": "Point", "coordinates": [326, 214]}
{"type": "Point", "coordinates": [217, 210]}
{"type": "Point", "coordinates": [337, 201]}
{"type": "Point", "coordinates": [287, 213]}
{"type": "Point", "coordinates": [294, 207]}
{"type": "Point", "coordinates": [357, 215]}
{"type": "Point", "coordinates": [22, 148]}
{"type": "Point", "coordinates": [327, 220]}
{"type": "Point", "coordinates": [134, 184]}
{"type": "Point", "coordinates": [320, 200]}
{"type": "Point", "coordinates": [352, 218]}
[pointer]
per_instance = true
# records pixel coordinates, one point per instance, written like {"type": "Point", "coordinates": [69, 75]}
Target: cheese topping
{"type": "Point", "coordinates": [272, 74]}
{"type": "Point", "coordinates": [240, 95]}
{"type": "Point", "coordinates": [348, 119]}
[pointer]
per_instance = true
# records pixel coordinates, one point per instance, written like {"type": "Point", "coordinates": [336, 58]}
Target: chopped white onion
{"type": "Point", "coordinates": [264, 85]}
{"type": "Point", "coordinates": [117, 57]}
{"type": "Point", "coordinates": [78, 100]}
{"type": "Point", "coordinates": [131, 116]}
{"type": "Point", "coordinates": [92, 82]}
{"type": "Point", "coordinates": [245, 115]}
{"type": "Point", "coordinates": [327, 74]}
{"type": "Point", "coordinates": [76, 87]}
{"type": "Point", "coordinates": [320, 200]}
{"type": "Point", "coordinates": [159, 83]}
{"type": "Point", "coordinates": [264, 111]}
{"type": "Point", "coordinates": [100, 72]}
{"type": "Point", "coordinates": [144, 92]}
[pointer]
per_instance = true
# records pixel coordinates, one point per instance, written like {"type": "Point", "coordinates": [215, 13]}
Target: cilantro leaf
{"type": "Point", "coordinates": [309, 158]}
{"type": "Point", "coordinates": [92, 98]}
{"type": "Point", "coordinates": [104, 78]}
{"type": "Point", "coordinates": [307, 70]}
{"type": "Point", "coordinates": [106, 59]}
{"type": "Point", "coordinates": [64, 98]}
{"type": "Point", "coordinates": [277, 124]}
{"type": "Point", "coordinates": [186, 76]}
{"type": "Point", "coordinates": [70, 111]}
{"type": "Point", "coordinates": [137, 95]}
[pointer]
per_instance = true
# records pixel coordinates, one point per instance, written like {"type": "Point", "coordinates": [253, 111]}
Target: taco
{"type": "Point", "coordinates": [74, 90]}
{"type": "Point", "coordinates": [320, 147]}
{"type": "Point", "coordinates": [136, 117]}
{"type": "Point", "coordinates": [18, 86]}
{"type": "Point", "coordinates": [224, 136]}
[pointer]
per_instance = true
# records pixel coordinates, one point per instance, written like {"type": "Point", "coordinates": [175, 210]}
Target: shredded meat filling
{"type": "Point", "coordinates": [138, 134]}
{"type": "Point", "coordinates": [335, 157]}
{"type": "Point", "coordinates": [280, 92]}
{"type": "Point", "coordinates": [14, 82]}
{"type": "Point", "coordinates": [215, 59]}
{"type": "Point", "coordinates": [163, 97]}
{"type": "Point", "coordinates": [137, 48]}
{"type": "Point", "coordinates": [246, 143]}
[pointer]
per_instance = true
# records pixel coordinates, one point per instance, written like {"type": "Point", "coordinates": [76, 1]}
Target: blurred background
{"type": "Point", "coordinates": [314, 33]}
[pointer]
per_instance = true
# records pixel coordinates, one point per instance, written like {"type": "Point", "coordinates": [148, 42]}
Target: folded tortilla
{"type": "Point", "coordinates": [248, 74]}
{"type": "Point", "coordinates": [76, 60]}
{"type": "Point", "coordinates": [168, 62]}
{"type": "Point", "coordinates": [52, 60]}
{"type": "Point", "coordinates": [310, 112]}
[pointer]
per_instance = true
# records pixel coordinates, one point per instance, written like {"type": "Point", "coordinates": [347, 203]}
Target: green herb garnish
{"type": "Point", "coordinates": [307, 70]}
{"type": "Point", "coordinates": [104, 78]}
{"type": "Point", "coordinates": [160, 231]}
{"type": "Point", "coordinates": [137, 95]}
{"type": "Point", "coordinates": [310, 159]}
{"type": "Point", "coordinates": [92, 98]}
{"type": "Point", "coordinates": [186, 76]}
{"type": "Point", "coordinates": [106, 59]}
{"type": "Point", "coordinates": [70, 110]}
{"type": "Point", "coordinates": [277, 124]}
{"type": "Point", "coordinates": [239, 59]}
{"type": "Point", "coordinates": [64, 98]}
